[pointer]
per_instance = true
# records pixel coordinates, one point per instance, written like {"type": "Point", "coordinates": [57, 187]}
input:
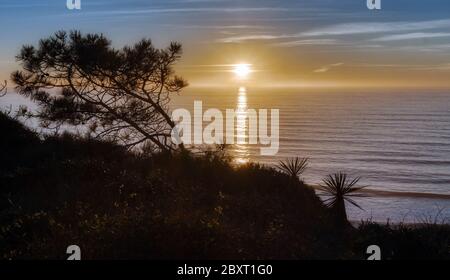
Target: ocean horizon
{"type": "Point", "coordinates": [398, 142]}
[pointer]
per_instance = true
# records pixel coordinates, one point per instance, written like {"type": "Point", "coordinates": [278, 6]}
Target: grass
{"type": "Point", "coordinates": [403, 241]}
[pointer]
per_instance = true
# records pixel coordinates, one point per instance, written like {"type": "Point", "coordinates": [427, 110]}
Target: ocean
{"type": "Point", "coordinates": [398, 142]}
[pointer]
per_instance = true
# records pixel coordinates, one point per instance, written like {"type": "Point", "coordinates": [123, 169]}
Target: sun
{"type": "Point", "coordinates": [242, 70]}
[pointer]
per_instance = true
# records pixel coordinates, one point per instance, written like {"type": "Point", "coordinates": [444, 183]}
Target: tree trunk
{"type": "Point", "coordinates": [340, 212]}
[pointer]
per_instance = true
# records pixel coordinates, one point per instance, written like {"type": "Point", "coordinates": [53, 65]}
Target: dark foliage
{"type": "Point", "coordinates": [339, 189]}
{"type": "Point", "coordinates": [3, 89]}
{"type": "Point", "coordinates": [120, 95]}
{"type": "Point", "coordinates": [293, 167]}
{"type": "Point", "coordinates": [424, 241]}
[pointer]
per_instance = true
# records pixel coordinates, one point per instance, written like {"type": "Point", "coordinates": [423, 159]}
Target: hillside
{"type": "Point", "coordinates": [115, 204]}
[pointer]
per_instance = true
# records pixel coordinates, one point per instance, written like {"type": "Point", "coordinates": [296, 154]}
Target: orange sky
{"type": "Point", "coordinates": [293, 44]}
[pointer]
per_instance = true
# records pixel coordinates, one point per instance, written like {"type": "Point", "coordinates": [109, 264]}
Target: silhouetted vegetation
{"type": "Point", "coordinates": [117, 95]}
{"type": "Point", "coordinates": [294, 167]}
{"type": "Point", "coordinates": [3, 89]}
{"type": "Point", "coordinates": [339, 190]}
{"type": "Point", "coordinates": [403, 241]}
{"type": "Point", "coordinates": [113, 203]}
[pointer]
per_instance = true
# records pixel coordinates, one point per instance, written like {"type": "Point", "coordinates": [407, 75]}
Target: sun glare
{"type": "Point", "coordinates": [242, 70]}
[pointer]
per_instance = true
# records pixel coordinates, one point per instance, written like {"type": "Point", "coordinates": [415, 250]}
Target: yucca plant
{"type": "Point", "coordinates": [340, 189]}
{"type": "Point", "coordinates": [294, 167]}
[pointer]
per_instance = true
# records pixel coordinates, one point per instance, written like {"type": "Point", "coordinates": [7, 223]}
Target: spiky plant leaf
{"type": "Point", "coordinates": [294, 167]}
{"type": "Point", "coordinates": [338, 188]}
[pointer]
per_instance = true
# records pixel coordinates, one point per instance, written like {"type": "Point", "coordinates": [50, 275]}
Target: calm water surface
{"type": "Point", "coordinates": [396, 141]}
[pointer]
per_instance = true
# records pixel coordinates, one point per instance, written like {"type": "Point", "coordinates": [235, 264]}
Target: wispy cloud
{"type": "Point", "coordinates": [221, 27]}
{"type": "Point", "coordinates": [326, 68]}
{"type": "Point", "coordinates": [420, 67]}
{"type": "Point", "coordinates": [304, 38]}
{"type": "Point", "coordinates": [23, 5]}
{"type": "Point", "coordinates": [431, 48]}
{"type": "Point", "coordinates": [189, 10]}
{"type": "Point", "coordinates": [439, 67]}
{"type": "Point", "coordinates": [306, 42]}
{"type": "Point", "coordinates": [254, 37]}
{"type": "Point", "coordinates": [377, 27]}
{"type": "Point", "coordinates": [271, 37]}
{"type": "Point", "coordinates": [410, 36]}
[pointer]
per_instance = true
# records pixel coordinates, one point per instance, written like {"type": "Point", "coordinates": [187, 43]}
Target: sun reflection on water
{"type": "Point", "coordinates": [241, 149]}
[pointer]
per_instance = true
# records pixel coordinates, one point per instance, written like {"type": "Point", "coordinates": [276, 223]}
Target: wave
{"type": "Point", "coordinates": [379, 193]}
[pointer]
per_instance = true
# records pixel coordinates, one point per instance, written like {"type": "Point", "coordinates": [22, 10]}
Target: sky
{"type": "Point", "coordinates": [291, 43]}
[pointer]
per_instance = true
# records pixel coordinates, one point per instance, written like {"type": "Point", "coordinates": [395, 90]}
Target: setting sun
{"type": "Point", "coordinates": [242, 70]}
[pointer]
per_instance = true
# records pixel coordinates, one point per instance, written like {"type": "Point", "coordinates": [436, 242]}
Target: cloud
{"type": "Point", "coordinates": [376, 27]}
{"type": "Point", "coordinates": [219, 27]}
{"type": "Point", "coordinates": [25, 5]}
{"type": "Point", "coordinates": [433, 48]}
{"type": "Point", "coordinates": [439, 67]}
{"type": "Point", "coordinates": [410, 36]}
{"type": "Point", "coordinates": [268, 37]}
{"type": "Point", "coordinates": [239, 39]}
{"type": "Point", "coordinates": [326, 68]}
{"type": "Point", "coordinates": [189, 10]}
{"type": "Point", "coordinates": [352, 29]}
{"type": "Point", "coordinates": [419, 67]}
{"type": "Point", "coordinates": [308, 42]}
